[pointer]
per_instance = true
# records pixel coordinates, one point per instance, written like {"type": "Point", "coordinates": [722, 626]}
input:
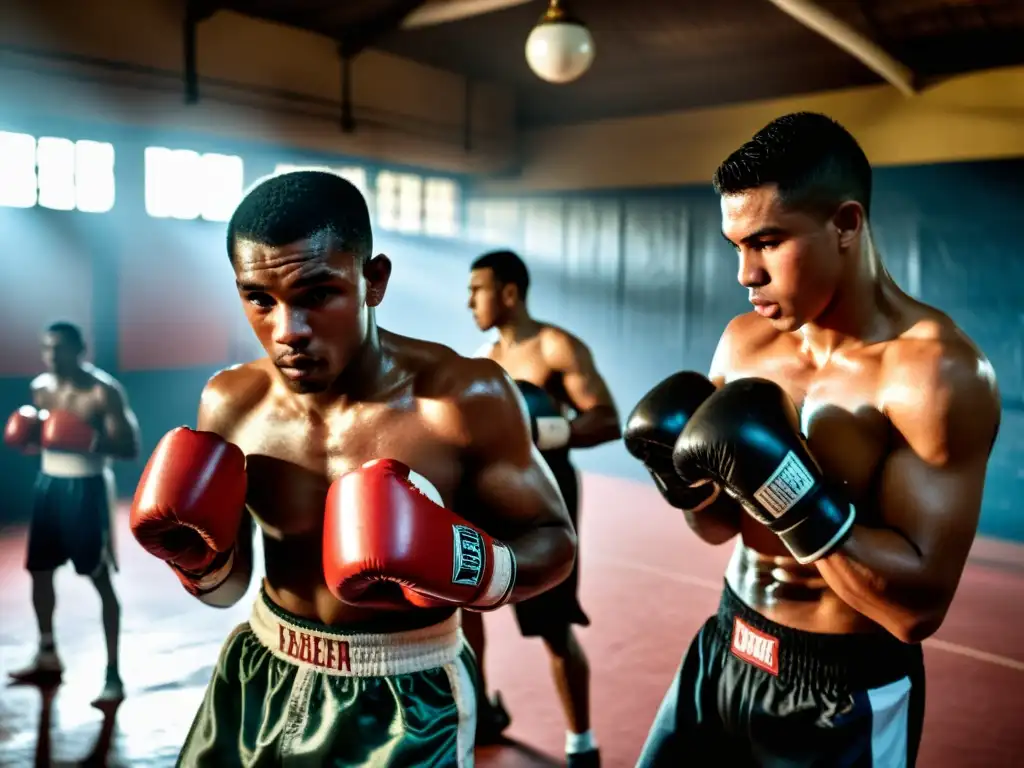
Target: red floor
{"type": "Point", "coordinates": [647, 584]}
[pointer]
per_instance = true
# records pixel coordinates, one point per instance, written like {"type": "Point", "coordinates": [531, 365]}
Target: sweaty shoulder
{"type": "Point", "coordinates": [104, 380]}
{"type": "Point", "coordinates": [557, 343]}
{"type": "Point", "coordinates": [232, 393]}
{"type": "Point", "coordinates": [482, 402]}
{"type": "Point", "coordinates": [745, 336]}
{"type": "Point", "coordinates": [444, 374]}
{"type": "Point", "coordinates": [937, 384]}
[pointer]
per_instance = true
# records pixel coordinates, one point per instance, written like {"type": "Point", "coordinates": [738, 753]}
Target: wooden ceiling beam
{"type": "Point", "coordinates": [861, 47]}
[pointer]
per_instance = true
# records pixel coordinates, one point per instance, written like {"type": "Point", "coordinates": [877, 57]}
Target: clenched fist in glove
{"type": "Point", "coordinates": [652, 429]}
{"type": "Point", "coordinates": [746, 436]}
{"type": "Point", "coordinates": [189, 505]}
{"type": "Point", "coordinates": [24, 429]}
{"type": "Point", "coordinates": [379, 527]}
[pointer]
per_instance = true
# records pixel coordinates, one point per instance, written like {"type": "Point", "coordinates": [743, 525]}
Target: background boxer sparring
{"type": "Point", "coordinates": [618, 224]}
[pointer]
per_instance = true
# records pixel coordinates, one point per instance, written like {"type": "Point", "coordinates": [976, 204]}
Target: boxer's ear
{"type": "Point", "coordinates": [376, 272]}
{"type": "Point", "coordinates": [849, 220]}
{"type": "Point", "coordinates": [509, 294]}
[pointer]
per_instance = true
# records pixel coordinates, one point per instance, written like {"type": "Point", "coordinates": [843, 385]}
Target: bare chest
{"type": "Point", "coordinates": [84, 403]}
{"type": "Point", "coordinates": [291, 461]}
{"type": "Point", "coordinates": [840, 416]}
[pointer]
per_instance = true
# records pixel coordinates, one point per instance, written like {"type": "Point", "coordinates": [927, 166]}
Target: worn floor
{"type": "Point", "coordinates": [647, 583]}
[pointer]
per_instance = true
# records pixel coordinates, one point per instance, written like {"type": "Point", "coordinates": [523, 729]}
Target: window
{"type": "Point", "coordinates": [182, 184]}
{"type": "Point", "coordinates": [17, 170]}
{"type": "Point", "coordinates": [400, 202]}
{"type": "Point", "coordinates": [56, 173]}
{"type": "Point", "coordinates": [387, 200]}
{"type": "Point", "coordinates": [441, 207]}
{"type": "Point", "coordinates": [494, 221]}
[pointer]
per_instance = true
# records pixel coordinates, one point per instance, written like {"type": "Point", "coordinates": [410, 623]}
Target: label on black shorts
{"type": "Point", "coordinates": [468, 560]}
{"type": "Point", "coordinates": [789, 483]}
{"type": "Point", "coordinates": [755, 647]}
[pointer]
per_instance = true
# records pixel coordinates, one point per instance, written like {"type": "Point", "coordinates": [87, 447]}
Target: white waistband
{"type": "Point", "coordinates": [357, 655]}
{"type": "Point", "coordinates": [64, 464]}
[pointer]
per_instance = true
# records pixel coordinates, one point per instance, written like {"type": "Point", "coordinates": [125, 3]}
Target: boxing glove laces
{"type": "Point", "coordinates": [746, 436]}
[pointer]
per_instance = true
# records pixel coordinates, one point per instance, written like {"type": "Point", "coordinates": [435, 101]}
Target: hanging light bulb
{"type": "Point", "coordinates": [560, 48]}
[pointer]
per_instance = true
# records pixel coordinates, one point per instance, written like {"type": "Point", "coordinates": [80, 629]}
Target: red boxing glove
{"type": "Point", "coordinates": [189, 504]}
{"type": "Point", "coordinates": [379, 527]}
{"type": "Point", "coordinates": [64, 431]}
{"type": "Point", "coordinates": [24, 429]}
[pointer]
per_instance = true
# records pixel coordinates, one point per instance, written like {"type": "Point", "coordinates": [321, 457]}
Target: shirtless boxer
{"type": "Point", "coordinates": [557, 376]}
{"type": "Point", "coordinates": [846, 444]}
{"type": "Point", "coordinates": [79, 420]}
{"type": "Point", "coordinates": [353, 654]}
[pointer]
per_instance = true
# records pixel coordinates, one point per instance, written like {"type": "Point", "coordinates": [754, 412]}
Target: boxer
{"type": "Point", "coordinates": [557, 376]}
{"type": "Point", "coordinates": [78, 421]}
{"type": "Point", "coordinates": [394, 482]}
{"type": "Point", "coordinates": [843, 434]}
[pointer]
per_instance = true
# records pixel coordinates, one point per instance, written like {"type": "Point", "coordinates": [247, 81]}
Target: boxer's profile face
{"type": "Point", "coordinates": [790, 260]}
{"type": "Point", "coordinates": [486, 299]}
{"type": "Point", "coordinates": [61, 355]}
{"type": "Point", "coordinates": [309, 305]}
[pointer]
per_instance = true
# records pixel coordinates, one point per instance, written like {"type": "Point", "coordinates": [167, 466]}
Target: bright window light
{"type": "Point", "coordinates": [387, 200]}
{"type": "Point", "coordinates": [55, 170]}
{"type": "Point", "coordinates": [94, 176]}
{"type": "Point", "coordinates": [221, 184]}
{"type": "Point", "coordinates": [182, 184]}
{"type": "Point", "coordinates": [441, 204]}
{"type": "Point", "coordinates": [17, 170]}
{"type": "Point", "coordinates": [167, 189]}
{"type": "Point", "coordinates": [56, 173]}
{"type": "Point", "coordinates": [410, 203]}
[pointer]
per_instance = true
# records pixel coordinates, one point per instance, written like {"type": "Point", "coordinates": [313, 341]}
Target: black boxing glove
{"type": "Point", "coordinates": [548, 426]}
{"type": "Point", "coordinates": [655, 424]}
{"type": "Point", "coordinates": [747, 437]}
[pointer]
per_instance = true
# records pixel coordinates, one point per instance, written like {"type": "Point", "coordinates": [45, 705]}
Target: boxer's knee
{"type": "Point", "coordinates": [561, 643]}
{"type": "Point", "coordinates": [42, 581]}
{"type": "Point", "coordinates": [104, 586]}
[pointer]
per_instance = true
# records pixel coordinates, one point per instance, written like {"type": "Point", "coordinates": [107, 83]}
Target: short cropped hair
{"type": "Point", "coordinates": [300, 204]}
{"type": "Point", "coordinates": [508, 269]}
{"type": "Point", "coordinates": [814, 161]}
{"type": "Point", "coordinates": [70, 332]}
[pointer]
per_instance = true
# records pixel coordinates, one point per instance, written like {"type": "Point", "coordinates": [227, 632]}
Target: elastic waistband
{"type": "Point", "coordinates": [855, 662]}
{"type": "Point", "coordinates": [322, 648]}
{"type": "Point", "coordinates": [64, 464]}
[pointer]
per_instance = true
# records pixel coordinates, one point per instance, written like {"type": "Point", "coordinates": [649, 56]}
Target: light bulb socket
{"type": "Point", "coordinates": [557, 14]}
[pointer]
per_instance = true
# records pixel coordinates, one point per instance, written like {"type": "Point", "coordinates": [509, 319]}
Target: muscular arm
{"type": "Point", "coordinates": [597, 421]}
{"type": "Point", "coordinates": [904, 576]}
{"type": "Point", "coordinates": [217, 414]}
{"type": "Point", "coordinates": [514, 495]}
{"type": "Point", "coordinates": [119, 433]}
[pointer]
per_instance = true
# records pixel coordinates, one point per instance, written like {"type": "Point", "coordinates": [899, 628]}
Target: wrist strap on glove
{"type": "Point", "coordinates": [209, 580]}
{"type": "Point", "coordinates": [503, 580]}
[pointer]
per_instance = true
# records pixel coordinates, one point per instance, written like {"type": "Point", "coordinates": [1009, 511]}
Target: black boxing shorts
{"type": "Point", "coordinates": [72, 514]}
{"type": "Point", "coordinates": [751, 692]}
{"type": "Point", "coordinates": [553, 611]}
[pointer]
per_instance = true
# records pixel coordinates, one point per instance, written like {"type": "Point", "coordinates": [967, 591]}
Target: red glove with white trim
{"type": "Point", "coordinates": [379, 527]}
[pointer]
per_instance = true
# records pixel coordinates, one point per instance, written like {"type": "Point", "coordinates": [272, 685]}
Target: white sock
{"type": "Point", "coordinates": [579, 742]}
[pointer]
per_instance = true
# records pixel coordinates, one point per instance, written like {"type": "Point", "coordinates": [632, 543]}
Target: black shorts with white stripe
{"type": "Point", "coordinates": [751, 692]}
